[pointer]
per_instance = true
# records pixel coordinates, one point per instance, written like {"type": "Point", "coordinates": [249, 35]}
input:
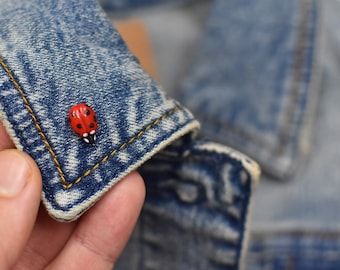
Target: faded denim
{"type": "Point", "coordinates": [55, 54]}
{"type": "Point", "coordinates": [295, 223]}
{"type": "Point", "coordinates": [197, 210]}
{"type": "Point", "coordinates": [71, 57]}
{"type": "Point", "coordinates": [252, 81]}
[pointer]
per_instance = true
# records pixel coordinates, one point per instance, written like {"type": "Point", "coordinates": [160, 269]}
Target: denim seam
{"type": "Point", "coordinates": [252, 170]}
{"type": "Point", "coordinates": [243, 241]}
{"type": "Point", "coordinates": [298, 75]}
{"type": "Point", "coordinates": [123, 146]}
{"type": "Point", "coordinates": [74, 212]}
{"type": "Point", "coordinates": [64, 182]}
{"type": "Point", "coordinates": [34, 118]}
{"type": "Point", "coordinates": [287, 125]}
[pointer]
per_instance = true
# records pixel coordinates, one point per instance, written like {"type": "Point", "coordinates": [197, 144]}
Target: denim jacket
{"type": "Point", "coordinates": [55, 54]}
{"type": "Point", "coordinates": [261, 71]}
{"type": "Point", "coordinates": [265, 79]}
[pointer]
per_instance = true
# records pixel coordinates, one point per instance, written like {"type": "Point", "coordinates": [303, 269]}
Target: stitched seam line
{"type": "Point", "coordinates": [300, 55]}
{"type": "Point", "coordinates": [283, 141]}
{"type": "Point", "coordinates": [123, 146]}
{"type": "Point", "coordinates": [35, 121]}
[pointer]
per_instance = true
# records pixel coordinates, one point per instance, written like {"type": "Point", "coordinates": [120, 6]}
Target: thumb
{"type": "Point", "coordinates": [20, 189]}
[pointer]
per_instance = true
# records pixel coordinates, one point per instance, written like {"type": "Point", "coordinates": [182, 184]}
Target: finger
{"type": "Point", "coordinates": [104, 231]}
{"type": "Point", "coordinates": [20, 189]}
{"type": "Point", "coordinates": [5, 140]}
{"type": "Point", "coordinates": [46, 241]}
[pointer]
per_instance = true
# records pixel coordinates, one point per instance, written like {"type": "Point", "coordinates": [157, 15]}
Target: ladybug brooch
{"type": "Point", "coordinates": [83, 122]}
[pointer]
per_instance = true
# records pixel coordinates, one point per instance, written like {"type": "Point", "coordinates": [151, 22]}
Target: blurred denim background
{"type": "Point", "coordinates": [263, 76]}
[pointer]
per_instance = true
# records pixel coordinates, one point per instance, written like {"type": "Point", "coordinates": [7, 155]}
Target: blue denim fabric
{"type": "Point", "coordinates": [303, 250]}
{"type": "Point", "coordinates": [251, 82]}
{"type": "Point", "coordinates": [196, 211]}
{"type": "Point", "coordinates": [57, 54]}
{"type": "Point", "coordinates": [119, 5]}
{"type": "Point", "coordinates": [297, 224]}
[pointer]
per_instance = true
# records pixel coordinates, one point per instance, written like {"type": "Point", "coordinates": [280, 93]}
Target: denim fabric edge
{"type": "Point", "coordinates": [249, 164]}
{"type": "Point", "coordinates": [254, 171]}
{"type": "Point", "coordinates": [278, 152]}
{"type": "Point", "coordinates": [247, 227]}
{"type": "Point", "coordinates": [75, 212]}
{"type": "Point", "coordinates": [160, 122]}
{"type": "Point", "coordinates": [305, 139]}
{"type": "Point", "coordinates": [187, 125]}
{"type": "Point", "coordinates": [304, 135]}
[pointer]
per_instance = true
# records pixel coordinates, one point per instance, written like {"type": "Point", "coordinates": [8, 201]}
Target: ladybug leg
{"type": "Point", "coordinates": [86, 138]}
{"type": "Point", "coordinates": [93, 135]}
{"type": "Point", "coordinates": [90, 138]}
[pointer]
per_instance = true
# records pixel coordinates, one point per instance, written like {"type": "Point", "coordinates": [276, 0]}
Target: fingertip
{"type": "Point", "coordinates": [5, 140]}
{"type": "Point", "coordinates": [126, 198]}
{"type": "Point", "coordinates": [135, 187]}
{"type": "Point", "coordinates": [19, 175]}
{"type": "Point", "coordinates": [104, 230]}
{"type": "Point", "coordinates": [34, 170]}
{"type": "Point", "coordinates": [20, 189]}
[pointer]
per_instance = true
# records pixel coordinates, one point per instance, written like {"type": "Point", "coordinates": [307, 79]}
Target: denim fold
{"type": "Point", "coordinates": [58, 54]}
{"type": "Point", "coordinates": [254, 82]}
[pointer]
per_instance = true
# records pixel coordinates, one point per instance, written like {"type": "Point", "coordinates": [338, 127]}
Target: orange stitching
{"type": "Point", "coordinates": [123, 146]}
{"type": "Point", "coordinates": [36, 123]}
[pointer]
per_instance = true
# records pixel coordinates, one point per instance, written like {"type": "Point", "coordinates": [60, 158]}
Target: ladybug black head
{"type": "Point", "coordinates": [90, 138]}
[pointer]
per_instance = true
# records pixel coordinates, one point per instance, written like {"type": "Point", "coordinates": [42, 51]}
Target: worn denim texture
{"type": "Point", "coordinates": [252, 79]}
{"type": "Point", "coordinates": [196, 210]}
{"type": "Point", "coordinates": [298, 250]}
{"type": "Point", "coordinates": [296, 225]}
{"type": "Point", "coordinates": [55, 54]}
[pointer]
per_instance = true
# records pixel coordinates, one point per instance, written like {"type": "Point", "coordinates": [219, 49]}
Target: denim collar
{"type": "Point", "coordinates": [256, 80]}
{"type": "Point", "coordinates": [55, 54]}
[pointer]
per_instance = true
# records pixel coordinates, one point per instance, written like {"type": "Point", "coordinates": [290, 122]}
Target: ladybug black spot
{"type": "Point", "coordinates": [79, 126]}
{"type": "Point", "coordinates": [92, 125]}
{"type": "Point", "coordinates": [87, 112]}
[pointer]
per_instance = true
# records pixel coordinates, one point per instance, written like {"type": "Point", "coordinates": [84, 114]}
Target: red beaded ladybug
{"type": "Point", "coordinates": [83, 121]}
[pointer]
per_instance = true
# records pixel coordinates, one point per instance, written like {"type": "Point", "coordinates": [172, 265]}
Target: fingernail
{"type": "Point", "coordinates": [14, 173]}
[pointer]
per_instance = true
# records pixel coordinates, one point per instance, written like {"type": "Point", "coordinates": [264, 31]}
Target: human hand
{"type": "Point", "coordinates": [30, 239]}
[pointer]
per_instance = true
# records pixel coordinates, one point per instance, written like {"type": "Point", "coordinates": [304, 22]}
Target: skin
{"type": "Point", "coordinates": [30, 239]}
